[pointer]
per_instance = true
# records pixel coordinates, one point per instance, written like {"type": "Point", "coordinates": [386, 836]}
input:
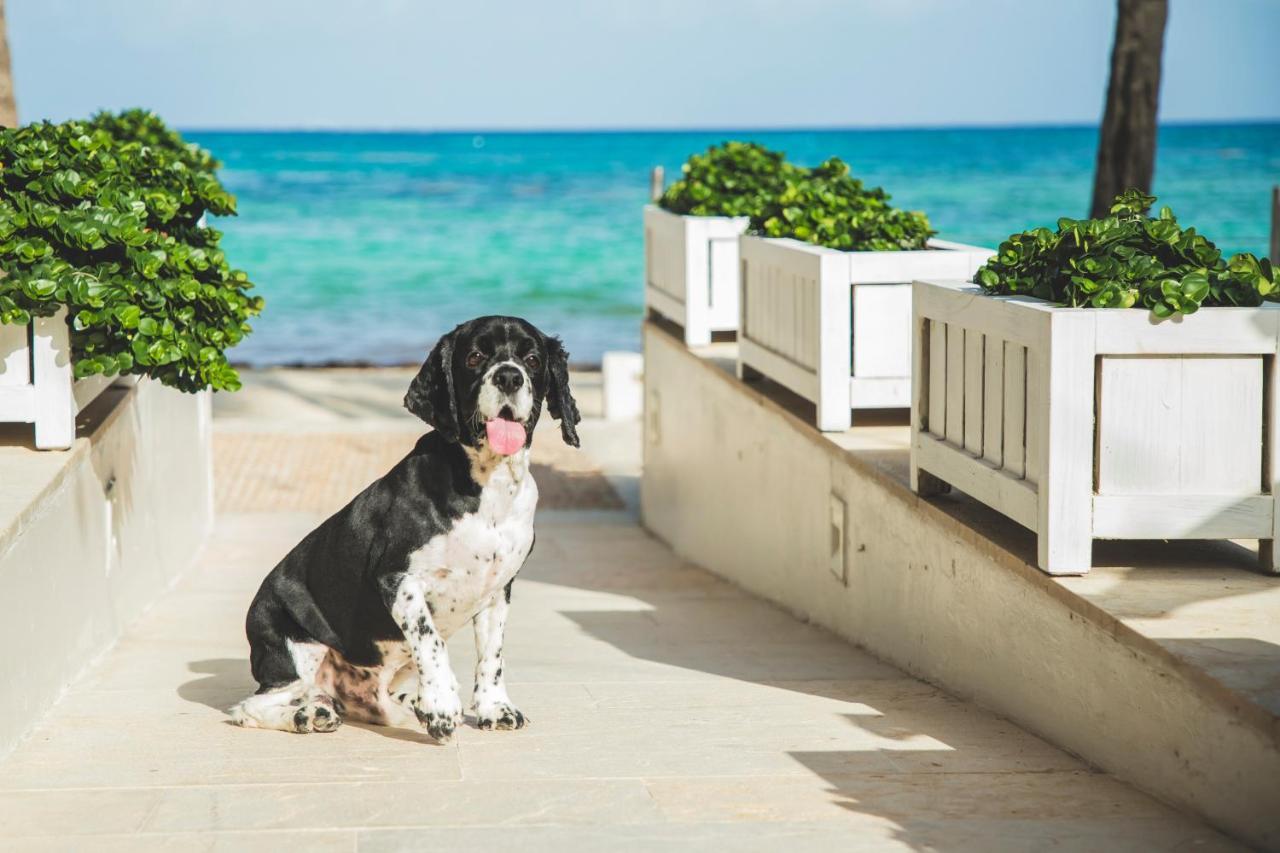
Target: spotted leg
{"type": "Point", "coordinates": [493, 708]}
{"type": "Point", "coordinates": [436, 704]}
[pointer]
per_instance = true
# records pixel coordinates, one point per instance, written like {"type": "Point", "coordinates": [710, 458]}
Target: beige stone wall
{"type": "Point", "coordinates": [743, 488]}
{"type": "Point", "coordinates": [113, 523]}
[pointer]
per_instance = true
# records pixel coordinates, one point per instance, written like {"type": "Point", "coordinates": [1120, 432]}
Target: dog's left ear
{"type": "Point", "coordinates": [560, 401]}
{"type": "Point", "coordinates": [430, 395]}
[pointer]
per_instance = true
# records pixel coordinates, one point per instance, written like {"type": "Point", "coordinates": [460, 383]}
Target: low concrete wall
{"type": "Point", "coordinates": [107, 526]}
{"type": "Point", "coordinates": [737, 484]}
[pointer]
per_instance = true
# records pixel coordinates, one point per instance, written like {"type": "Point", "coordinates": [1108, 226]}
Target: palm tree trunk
{"type": "Point", "coordinates": [8, 107]}
{"type": "Point", "coordinates": [1127, 147]}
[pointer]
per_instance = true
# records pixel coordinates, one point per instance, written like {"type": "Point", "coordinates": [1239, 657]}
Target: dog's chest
{"type": "Point", "coordinates": [465, 567]}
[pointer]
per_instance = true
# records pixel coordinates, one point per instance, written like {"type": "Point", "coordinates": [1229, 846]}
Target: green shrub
{"type": "Point", "coordinates": [829, 207]}
{"type": "Point", "coordinates": [731, 179]}
{"type": "Point", "coordinates": [102, 216]}
{"type": "Point", "coordinates": [1125, 260]}
{"type": "Point", "coordinates": [825, 205]}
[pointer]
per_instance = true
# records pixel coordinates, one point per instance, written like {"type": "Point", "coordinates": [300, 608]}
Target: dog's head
{"type": "Point", "coordinates": [485, 382]}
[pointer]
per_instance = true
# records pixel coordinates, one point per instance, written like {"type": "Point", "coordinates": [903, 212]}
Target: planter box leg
{"type": "Point", "coordinates": [1268, 552]}
{"type": "Point", "coordinates": [925, 484]}
{"type": "Point", "coordinates": [55, 415]}
{"type": "Point", "coordinates": [697, 334]}
{"type": "Point", "coordinates": [1269, 556]}
{"type": "Point", "coordinates": [747, 373]}
{"type": "Point", "coordinates": [1065, 371]}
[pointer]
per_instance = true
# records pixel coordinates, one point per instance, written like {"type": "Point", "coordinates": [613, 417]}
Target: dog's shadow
{"type": "Point", "coordinates": [222, 682]}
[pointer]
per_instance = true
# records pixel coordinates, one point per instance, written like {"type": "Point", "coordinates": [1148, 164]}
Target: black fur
{"type": "Point", "coordinates": [336, 586]}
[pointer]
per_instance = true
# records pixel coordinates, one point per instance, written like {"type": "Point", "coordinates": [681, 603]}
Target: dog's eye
{"type": "Point", "coordinates": [474, 359]}
{"type": "Point", "coordinates": [531, 361]}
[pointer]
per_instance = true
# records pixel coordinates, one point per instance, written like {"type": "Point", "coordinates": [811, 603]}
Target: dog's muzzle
{"type": "Point", "coordinates": [505, 403]}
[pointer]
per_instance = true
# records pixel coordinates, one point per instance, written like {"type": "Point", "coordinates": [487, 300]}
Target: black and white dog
{"type": "Point", "coordinates": [353, 622]}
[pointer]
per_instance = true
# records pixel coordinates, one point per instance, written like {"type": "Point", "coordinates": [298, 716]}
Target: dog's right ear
{"type": "Point", "coordinates": [430, 395]}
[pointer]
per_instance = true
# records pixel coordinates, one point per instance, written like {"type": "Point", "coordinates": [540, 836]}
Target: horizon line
{"type": "Point", "coordinates": [572, 129]}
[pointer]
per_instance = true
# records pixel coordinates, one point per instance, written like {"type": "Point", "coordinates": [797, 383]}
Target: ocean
{"type": "Point", "coordinates": [367, 246]}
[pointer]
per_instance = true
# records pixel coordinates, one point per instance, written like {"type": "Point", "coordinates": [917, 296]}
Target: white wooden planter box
{"type": "Point", "coordinates": [691, 271]}
{"type": "Point", "coordinates": [36, 384]}
{"type": "Point", "coordinates": [1083, 424]}
{"type": "Point", "coordinates": [835, 327]}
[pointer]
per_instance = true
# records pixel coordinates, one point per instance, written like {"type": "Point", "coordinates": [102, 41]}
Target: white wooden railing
{"type": "Point", "coordinates": [835, 327]}
{"type": "Point", "coordinates": [36, 380]}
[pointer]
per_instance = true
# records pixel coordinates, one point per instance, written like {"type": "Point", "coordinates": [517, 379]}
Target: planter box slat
{"type": "Point", "coordinates": [49, 397]}
{"type": "Point", "coordinates": [974, 371]}
{"type": "Point", "coordinates": [1013, 456]}
{"type": "Point", "coordinates": [691, 271]}
{"type": "Point", "coordinates": [1162, 516]}
{"type": "Point", "coordinates": [835, 327]}
{"type": "Point", "coordinates": [954, 417]}
{"type": "Point", "coordinates": [15, 358]}
{"type": "Point", "coordinates": [937, 366]}
{"type": "Point", "coordinates": [1228, 331]}
{"type": "Point", "coordinates": [993, 401]}
{"type": "Point", "coordinates": [1162, 439]}
{"type": "Point", "coordinates": [1011, 495]}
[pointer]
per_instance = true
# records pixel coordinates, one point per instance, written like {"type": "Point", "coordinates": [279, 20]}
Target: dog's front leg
{"type": "Point", "coordinates": [492, 706]}
{"type": "Point", "coordinates": [437, 704]}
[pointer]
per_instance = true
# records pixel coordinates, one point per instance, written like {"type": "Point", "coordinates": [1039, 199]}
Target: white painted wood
{"type": "Point", "coordinates": [921, 377]}
{"type": "Point", "coordinates": [1191, 516]}
{"type": "Point", "coordinates": [1220, 331]}
{"type": "Point", "coordinates": [1269, 546]}
{"type": "Point", "coordinates": [835, 343]}
{"type": "Point", "coordinates": [1036, 403]}
{"type": "Point", "coordinates": [974, 371]}
{"type": "Point", "coordinates": [1186, 421]}
{"type": "Point", "coordinates": [1171, 425]}
{"type": "Point", "coordinates": [790, 299]}
{"type": "Point", "coordinates": [17, 404]}
{"type": "Point", "coordinates": [993, 401]}
{"type": "Point", "coordinates": [757, 359]}
{"type": "Point", "coordinates": [879, 392]}
{"type": "Point", "coordinates": [881, 326]}
{"type": "Point", "coordinates": [1011, 318]}
{"type": "Point", "coordinates": [937, 387]}
{"type": "Point", "coordinates": [691, 271]}
{"type": "Point", "coordinates": [1064, 447]}
{"type": "Point", "coordinates": [1014, 457]}
{"type": "Point", "coordinates": [15, 356]}
{"type": "Point", "coordinates": [955, 384]}
{"type": "Point", "coordinates": [1008, 495]}
{"type": "Point", "coordinates": [55, 409]}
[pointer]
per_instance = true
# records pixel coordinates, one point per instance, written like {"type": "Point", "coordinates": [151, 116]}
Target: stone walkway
{"type": "Point", "coordinates": [670, 711]}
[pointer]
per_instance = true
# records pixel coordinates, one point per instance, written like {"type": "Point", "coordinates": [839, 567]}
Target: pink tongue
{"type": "Point", "coordinates": [505, 437]}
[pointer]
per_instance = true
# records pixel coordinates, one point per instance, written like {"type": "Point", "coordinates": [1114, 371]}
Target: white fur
{"type": "Point", "coordinates": [301, 706]}
{"type": "Point", "coordinates": [460, 574]}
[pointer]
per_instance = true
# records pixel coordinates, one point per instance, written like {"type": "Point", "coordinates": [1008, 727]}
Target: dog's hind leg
{"type": "Point", "coordinates": [294, 674]}
{"type": "Point", "coordinates": [299, 704]}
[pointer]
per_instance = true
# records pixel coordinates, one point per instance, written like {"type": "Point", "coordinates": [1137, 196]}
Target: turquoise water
{"type": "Point", "coordinates": [368, 245]}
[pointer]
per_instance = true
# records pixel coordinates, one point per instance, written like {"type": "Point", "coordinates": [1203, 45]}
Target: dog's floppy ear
{"type": "Point", "coordinates": [430, 395]}
{"type": "Point", "coordinates": [560, 401]}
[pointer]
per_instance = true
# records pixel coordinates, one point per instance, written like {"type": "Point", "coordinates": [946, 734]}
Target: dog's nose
{"type": "Point", "coordinates": [508, 378]}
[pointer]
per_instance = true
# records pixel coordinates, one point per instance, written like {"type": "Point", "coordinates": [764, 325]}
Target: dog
{"type": "Point", "coordinates": [353, 621]}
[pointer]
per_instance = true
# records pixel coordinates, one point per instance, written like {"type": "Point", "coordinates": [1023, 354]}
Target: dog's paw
{"type": "Point", "coordinates": [440, 717]}
{"type": "Point", "coordinates": [439, 726]}
{"type": "Point", "coordinates": [500, 717]}
{"type": "Point", "coordinates": [316, 716]}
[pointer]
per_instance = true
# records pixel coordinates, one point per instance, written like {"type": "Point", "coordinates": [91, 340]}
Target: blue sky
{"type": "Point", "coordinates": [491, 64]}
